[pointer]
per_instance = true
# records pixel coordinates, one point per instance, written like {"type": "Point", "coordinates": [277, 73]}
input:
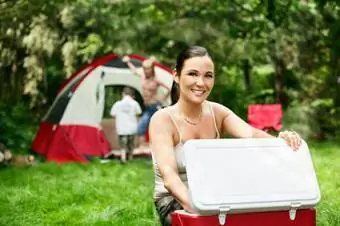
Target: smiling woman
{"type": "Point", "coordinates": [191, 117]}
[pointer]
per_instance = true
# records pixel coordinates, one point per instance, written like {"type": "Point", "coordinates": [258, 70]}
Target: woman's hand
{"type": "Point", "coordinates": [189, 209]}
{"type": "Point", "coordinates": [292, 138]}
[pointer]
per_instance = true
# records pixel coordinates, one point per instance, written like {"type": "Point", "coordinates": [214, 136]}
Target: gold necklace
{"type": "Point", "coordinates": [189, 121]}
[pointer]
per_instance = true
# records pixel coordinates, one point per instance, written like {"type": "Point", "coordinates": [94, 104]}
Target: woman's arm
{"type": "Point", "coordinates": [235, 126]}
{"type": "Point", "coordinates": [132, 67]}
{"type": "Point", "coordinates": [162, 145]}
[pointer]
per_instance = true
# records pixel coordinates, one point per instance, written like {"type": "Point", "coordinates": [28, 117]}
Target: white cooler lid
{"type": "Point", "coordinates": [248, 175]}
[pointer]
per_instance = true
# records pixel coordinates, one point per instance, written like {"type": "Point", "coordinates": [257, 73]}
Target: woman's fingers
{"type": "Point", "coordinates": [292, 138]}
{"type": "Point", "coordinates": [296, 140]}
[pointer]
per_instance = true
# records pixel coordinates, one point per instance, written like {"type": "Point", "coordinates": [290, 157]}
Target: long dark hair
{"type": "Point", "coordinates": [192, 51]}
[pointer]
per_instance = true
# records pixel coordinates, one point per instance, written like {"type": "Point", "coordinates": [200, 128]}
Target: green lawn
{"type": "Point", "coordinates": [74, 194]}
{"type": "Point", "coordinates": [114, 194]}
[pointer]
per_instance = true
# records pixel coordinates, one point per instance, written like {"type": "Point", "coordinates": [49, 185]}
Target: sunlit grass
{"type": "Point", "coordinates": [74, 194]}
{"type": "Point", "coordinates": [326, 157]}
{"type": "Point", "coordinates": [115, 194]}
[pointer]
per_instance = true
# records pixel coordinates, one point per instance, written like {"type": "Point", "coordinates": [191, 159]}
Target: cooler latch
{"type": "Point", "coordinates": [222, 216]}
{"type": "Point", "coordinates": [293, 208]}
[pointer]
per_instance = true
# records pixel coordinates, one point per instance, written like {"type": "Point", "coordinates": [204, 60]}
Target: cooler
{"type": "Point", "coordinates": [305, 217]}
{"type": "Point", "coordinates": [249, 182]}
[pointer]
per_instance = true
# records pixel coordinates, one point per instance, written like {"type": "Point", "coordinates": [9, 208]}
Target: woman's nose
{"type": "Point", "coordinates": [199, 80]}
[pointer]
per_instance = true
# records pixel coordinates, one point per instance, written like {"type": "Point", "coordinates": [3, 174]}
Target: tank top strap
{"type": "Point", "coordinates": [214, 118]}
{"type": "Point", "coordinates": [176, 126]}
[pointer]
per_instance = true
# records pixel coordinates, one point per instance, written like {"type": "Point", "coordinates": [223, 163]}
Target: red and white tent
{"type": "Point", "coordinates": [70, 130]}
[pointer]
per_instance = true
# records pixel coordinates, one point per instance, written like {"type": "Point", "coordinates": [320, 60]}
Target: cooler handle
{"type": "Point", "coordinates": [293, 209]}
{"type": "Point", "coordinates": [222, 216]}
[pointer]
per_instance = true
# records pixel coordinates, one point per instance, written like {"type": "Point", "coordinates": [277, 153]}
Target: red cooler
{"type": "Point", "coordinates": [249, 182]}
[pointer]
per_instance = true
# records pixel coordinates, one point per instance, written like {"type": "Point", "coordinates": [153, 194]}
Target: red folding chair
{"type": "Point", "coordinates": [265, 116]}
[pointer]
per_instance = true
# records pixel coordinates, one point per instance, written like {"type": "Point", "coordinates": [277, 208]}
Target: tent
{"type": "Point", "coordinates": [71, 129]}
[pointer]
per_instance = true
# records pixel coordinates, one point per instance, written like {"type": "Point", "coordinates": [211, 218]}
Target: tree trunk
{"type": "Point", "coordinates": [334, 75]}
{"type": "Point", "coordinates": [246, 73]}
{"type": "Point", "coordinates": [279, 65]}
{"type": "Point", "coordinates": [16, 95]}
{"type": "Point", "coordinates": [280, 70]}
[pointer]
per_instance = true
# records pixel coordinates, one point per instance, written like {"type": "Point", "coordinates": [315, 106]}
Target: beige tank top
{"type": "Point", "coordinates": [160, 191]}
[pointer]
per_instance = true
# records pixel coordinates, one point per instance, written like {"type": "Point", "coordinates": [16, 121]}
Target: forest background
{"type": "Point", "coordinates": [273, 51]}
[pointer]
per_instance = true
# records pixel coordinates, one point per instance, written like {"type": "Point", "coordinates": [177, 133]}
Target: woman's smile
{"type": "Point", "coordinates": [198, 92]}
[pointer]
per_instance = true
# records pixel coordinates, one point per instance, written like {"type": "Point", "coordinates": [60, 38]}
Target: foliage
{"type": "Point", "coordinates": [16, 127]}
{"type": "Point", "coordinates": [301, 119]}
{"type": "Point", "coordinates": [281, 51]}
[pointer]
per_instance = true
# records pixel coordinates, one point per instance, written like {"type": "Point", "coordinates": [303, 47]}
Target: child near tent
{"type": "Point", "coordinates": [150, 86]}
{"type": "Point", "coordinates": [126, 111]}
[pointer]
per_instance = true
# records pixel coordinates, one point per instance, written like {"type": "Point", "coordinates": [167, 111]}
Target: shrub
{"type": "Point", "coordinates": [17, 127]}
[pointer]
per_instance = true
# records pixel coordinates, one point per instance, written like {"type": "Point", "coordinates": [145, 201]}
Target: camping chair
{"type": "Point", "coordinates": [267, 117]}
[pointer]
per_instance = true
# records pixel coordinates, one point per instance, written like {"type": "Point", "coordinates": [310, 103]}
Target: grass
{"type": "Point", "coordinates": [326, 157]}
{"type": "Point", "coordinates": [115, 194]}
{"type": "Point", "coordinates": [75, 194]}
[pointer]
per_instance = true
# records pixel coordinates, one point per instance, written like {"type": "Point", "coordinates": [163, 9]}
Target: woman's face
{"type": "Point", "coordinates": [196, 79]}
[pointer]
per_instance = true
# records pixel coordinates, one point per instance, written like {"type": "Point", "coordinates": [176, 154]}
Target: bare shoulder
{"type": "Point", "coordinates": [161, 119]}
{"type": "Point", "coordinates": [159, 115]}
{"type": "Point", "coordinates": [219, 109]}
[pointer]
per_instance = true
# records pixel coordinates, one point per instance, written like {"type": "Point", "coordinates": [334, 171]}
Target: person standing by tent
{"type": "Point", "coordinates": [192, 117]}
{"type": "Point", "coordinates": [150, 86]}
{"type": "Point", "coordinates": [126, 111]}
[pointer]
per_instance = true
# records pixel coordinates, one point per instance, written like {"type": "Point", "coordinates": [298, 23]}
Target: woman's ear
{"type": "Point", "coordinates": [174, 73]}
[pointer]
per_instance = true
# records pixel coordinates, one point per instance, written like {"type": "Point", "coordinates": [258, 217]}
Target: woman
{"type": "Point", "coordinates": [191, 117]}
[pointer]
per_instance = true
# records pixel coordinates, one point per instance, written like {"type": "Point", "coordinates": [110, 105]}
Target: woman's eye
{"type": "Point", "coordinates": [192, 73]}
{"type": "Point", "coordinates": [209, 75]}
